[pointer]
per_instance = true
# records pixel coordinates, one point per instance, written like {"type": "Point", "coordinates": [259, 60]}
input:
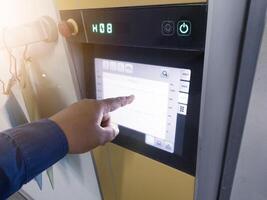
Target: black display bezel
{"type": "Point", "coordinates": [184, 157]}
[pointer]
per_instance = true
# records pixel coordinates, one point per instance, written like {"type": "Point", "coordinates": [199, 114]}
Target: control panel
{"type": "Point", "coordinates": [155, 53]}
{"type": "Point", "coordinates": [170, 27]}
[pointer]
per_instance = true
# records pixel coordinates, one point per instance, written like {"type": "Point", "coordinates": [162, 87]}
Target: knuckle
{"type": "Point", "coordinates": [99, 104]}
{"type": "Point", "coordinates": [102, 140]}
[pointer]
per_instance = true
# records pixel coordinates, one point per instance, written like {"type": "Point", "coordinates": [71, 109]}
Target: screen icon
{"type": "Point", "coordinates": [167, 28]}
{"type": "Point", "coordinates": [128, 68]}
{"type": "Point", "coordinates": [164, 74]}
{"type": "Point", "coordinates": [184, 28]}
{"type": "Point", "coordinates": [182, 109]}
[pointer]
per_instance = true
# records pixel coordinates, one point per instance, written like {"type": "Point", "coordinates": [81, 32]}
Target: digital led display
{"type": "Point", "coordinates": [102, 28]}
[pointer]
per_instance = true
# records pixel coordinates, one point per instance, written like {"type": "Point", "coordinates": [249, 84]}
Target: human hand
{"type": "Point", "coordinates": [86, 123]}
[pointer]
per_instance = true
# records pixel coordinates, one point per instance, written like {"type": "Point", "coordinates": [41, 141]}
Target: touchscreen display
{"type": "Point", "coordinates": [161, 93]}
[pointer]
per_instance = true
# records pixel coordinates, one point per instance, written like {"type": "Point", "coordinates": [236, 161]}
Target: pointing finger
{"type": "Point", "coordinates": [112, 104]}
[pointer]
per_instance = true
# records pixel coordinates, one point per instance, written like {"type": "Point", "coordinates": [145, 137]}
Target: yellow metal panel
{"type": "Point", "coordinates": [102, 163]}
{"type": "Point", "coordinates": [125, 175]}
{"type": "Point", "coordinates": [83, 4]}
{"type": "Point", "coordinates": [67, 5]}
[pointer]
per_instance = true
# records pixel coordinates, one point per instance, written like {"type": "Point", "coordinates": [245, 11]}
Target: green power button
{"type": "Point", "coordinates": [184, 28]}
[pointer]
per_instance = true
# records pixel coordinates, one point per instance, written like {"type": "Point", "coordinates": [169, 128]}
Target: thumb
{"type": "Point", "coordinates": [109, 133]}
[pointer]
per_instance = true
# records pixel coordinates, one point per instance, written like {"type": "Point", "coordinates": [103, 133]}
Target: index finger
{"type": "Point", "coordinates": [112, 104]}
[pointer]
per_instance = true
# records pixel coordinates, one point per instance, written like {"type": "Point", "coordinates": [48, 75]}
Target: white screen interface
{"type": "Point", "coordinates": [160, 93]}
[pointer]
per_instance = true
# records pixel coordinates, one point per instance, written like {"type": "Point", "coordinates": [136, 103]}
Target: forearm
{"type": "Point", "coordinates": [26, 151]}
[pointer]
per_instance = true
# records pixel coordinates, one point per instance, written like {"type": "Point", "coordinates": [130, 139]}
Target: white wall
{"type": "Point", "coordinates": [74, 176]}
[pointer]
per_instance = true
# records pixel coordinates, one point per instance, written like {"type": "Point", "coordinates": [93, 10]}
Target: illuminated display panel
{"type": "Point", "coordinates": [160, 94]}
{"type": "Point", "coordinates": [102, 28]}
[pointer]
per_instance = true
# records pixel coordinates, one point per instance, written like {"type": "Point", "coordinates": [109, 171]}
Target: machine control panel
{"type": "Point", "coordinates": [155, 53]}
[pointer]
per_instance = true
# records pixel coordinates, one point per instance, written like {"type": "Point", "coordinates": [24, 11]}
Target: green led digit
{"type": "Point", "coordinates": [94, 28]}
{"type": "Point", "coordinates": [102, 28]}
{"type": "Point", "coordinates": [109, 28]}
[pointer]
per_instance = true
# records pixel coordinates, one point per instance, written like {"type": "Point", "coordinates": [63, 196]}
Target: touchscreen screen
{"type": "Point", "coordinates": [161, 93]}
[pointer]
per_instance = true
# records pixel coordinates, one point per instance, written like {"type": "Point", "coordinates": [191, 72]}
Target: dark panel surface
{"type": "Point", "coordinates": [154, 27]}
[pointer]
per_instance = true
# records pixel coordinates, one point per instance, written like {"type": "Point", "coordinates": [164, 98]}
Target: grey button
{"type": "Point", "coordinates": [167, 28]}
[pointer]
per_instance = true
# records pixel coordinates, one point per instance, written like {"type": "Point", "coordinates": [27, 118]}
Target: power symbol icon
{"type": "Point", "coordinates": [184, 28]}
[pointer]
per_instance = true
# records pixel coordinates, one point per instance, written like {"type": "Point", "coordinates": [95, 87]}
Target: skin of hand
{"type": "Point", "coordinates": [87, 123]}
